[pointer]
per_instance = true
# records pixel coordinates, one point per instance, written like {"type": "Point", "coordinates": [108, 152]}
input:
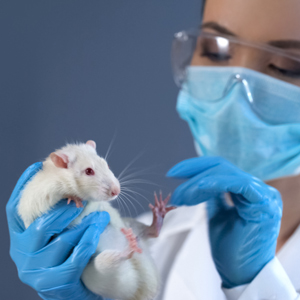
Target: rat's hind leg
{"type": "Point", "coordinates": [111, 274]}
{"type": "Point", "coordinates": [159, 211]}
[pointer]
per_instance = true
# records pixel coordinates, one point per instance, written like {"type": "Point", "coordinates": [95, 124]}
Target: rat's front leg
{"type": "Point", "coordinates": [132, 243]}
{"type": "Point", "coordinates": [159, 211]}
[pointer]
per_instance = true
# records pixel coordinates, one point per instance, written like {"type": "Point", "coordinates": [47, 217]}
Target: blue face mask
{"type": "Point", "coordinates": [250, 119]}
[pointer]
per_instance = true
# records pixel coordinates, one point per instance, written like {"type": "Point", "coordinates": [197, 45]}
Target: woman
{"type": "Point", "coordinates": [240, 95]}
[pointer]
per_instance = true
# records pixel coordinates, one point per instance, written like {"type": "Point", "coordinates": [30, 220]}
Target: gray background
{"type": "Point", "coordinates": [79, 70]}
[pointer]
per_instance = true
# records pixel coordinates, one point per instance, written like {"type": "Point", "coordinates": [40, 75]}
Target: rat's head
{"type": "Point", "coordinates": [93, 178]}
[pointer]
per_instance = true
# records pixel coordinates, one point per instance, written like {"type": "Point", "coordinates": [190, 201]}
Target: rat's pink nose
{"type": "Point", "coordinates": [115, 190]}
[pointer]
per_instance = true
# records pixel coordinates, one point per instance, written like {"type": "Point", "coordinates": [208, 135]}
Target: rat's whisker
{"type": "Point", "coordinates": [129, 212]}
{"type": "Point", "coordinates": [136, 193]}
{"type": "Point", "coordinates": [117, 201]}
{"type": "Point", "coordinates": [138, 202]}
{"type": "Point", "coordinates": [143, 208]}
{"type": "Point", "coordinates": [136, 180]}
{"type": "Point", "coordinates": [135, 187]}
{"type": "Point", "coordinates": [139, 181]}
{"type": "Point", "coordinates": [130, 164]}
{"type": "Point", "coordinates": [125, 205]}
{"type": "Point", "coordinates": [120, 204]}
{"type": "Point", "coordinates": [127, 196]}
{"type": "Point", "coordinates": [141, 190]}
{"type": "Point", "coordinates": [138, 172]}
{"type": "Point", "coordinates": [109, 147]}
{"type": "Point", "coordinates": [136, 212]}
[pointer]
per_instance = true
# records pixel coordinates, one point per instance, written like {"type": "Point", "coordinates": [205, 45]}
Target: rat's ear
{"type": "Point", "coordinates": [91, 143]}
{"type": "Point", "coordinates": [59, 159]}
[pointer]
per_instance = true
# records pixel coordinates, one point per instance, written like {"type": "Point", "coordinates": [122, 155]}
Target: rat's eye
{"type": "Point", "coordinates": [89, 171]}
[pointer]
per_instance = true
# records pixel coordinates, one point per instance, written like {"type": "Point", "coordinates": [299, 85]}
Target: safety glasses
{"type": "Point", "coordinates": [195, 47]}
{"type": "Point", "coordinates": [199, 58]}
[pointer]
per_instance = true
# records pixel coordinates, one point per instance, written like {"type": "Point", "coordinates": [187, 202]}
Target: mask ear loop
{"type": "Point", "coordinates": [236, 79]}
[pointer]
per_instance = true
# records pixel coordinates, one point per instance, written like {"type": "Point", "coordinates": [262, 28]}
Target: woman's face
{"type": "Point", "coordinates": [271, 22]}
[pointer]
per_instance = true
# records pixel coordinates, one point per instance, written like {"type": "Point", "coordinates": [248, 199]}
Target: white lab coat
{"type": "Point", "coordinates": [182, 254]}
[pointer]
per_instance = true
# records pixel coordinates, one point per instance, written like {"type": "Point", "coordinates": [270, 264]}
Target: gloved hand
{"type": "Point", "coordinates": [243, 237]}
{"type": "Point", "coordinates": [49, 257]}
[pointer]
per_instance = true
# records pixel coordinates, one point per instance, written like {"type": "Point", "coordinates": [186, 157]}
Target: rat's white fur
{"type": "Point", "coordinates": [133, 279]}
{"type": "Point", "coordinates": [108, 273]}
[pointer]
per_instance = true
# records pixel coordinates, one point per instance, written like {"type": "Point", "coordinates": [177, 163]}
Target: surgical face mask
{"type": "Point", "coordinates": [250, 119]}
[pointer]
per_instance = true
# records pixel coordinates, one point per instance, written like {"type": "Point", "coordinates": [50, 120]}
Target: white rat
{"type": "Point", "coordinates": [122, 267]}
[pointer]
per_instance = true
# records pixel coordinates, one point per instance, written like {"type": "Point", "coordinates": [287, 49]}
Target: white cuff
{"type": "Point", "coordinates": [234, 293]}
{"type": "Point", "coordinates": [271, 283]}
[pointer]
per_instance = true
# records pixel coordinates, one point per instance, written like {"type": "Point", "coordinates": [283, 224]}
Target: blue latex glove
{"type": "Point", "coordinates": [49, 257]}
{"type": "Point", "coordinates": [243, 237]}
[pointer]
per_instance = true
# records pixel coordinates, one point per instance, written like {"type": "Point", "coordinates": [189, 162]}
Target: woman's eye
{"type": "Point", "coordinates": [285, 72]}
{"type": "Point", "coordinates": [89, 171]}
{"type": "Point", "coordinates": [216, 57]}
{"type": "Point", "coordinates": [215, 51]}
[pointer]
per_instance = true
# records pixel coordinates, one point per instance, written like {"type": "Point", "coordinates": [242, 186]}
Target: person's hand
{"type": "Point", "coordinates": [49, 257]}
{"type": "Point", "coordinates": [243, 236]}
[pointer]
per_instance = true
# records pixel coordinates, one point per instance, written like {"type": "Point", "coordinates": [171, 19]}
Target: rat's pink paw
{"type": "Point", "coordinates": [160, 208]}
{"type": "Point", "coordinates": [77, 200]}
{"type": "Point", "coordinates": [133, 245]}
{"type": "Point", "coordinates": [159, 211]}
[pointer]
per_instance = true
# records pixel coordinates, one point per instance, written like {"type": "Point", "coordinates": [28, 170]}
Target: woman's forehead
{"type": "Point", "coordinates": [256, 20]}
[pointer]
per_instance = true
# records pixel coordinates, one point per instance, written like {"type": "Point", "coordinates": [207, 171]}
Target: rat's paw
{"type": "Point", "coordinates": [160, 208]}
{"type": "Point", "coordinates": [159, 211]}
{"type": "Point", "coordinates": [133, 244]}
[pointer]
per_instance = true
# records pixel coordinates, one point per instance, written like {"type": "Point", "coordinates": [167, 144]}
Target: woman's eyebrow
{"type": "Point", "coordinates": [217, 27]}
{"type": "Point", "coordinates": [283, 44]}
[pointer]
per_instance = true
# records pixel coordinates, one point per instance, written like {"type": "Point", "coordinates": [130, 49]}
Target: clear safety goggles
{"type": "Point", "coordinates": [194, 48]}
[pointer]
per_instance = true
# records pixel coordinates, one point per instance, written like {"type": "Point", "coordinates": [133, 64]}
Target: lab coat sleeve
{"type": "Point", "coordinates": [271, 283]}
